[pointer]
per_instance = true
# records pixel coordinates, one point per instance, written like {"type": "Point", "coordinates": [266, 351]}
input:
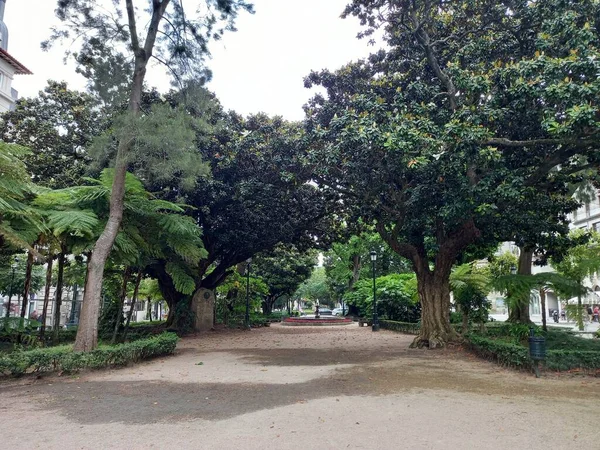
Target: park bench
{"type": "Point", "coordinates": [362, 321]}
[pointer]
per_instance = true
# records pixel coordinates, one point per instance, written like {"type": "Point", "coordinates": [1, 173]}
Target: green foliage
{"type": "Point", "coordinates": [506, 354]}
{"type": "Point", "coordinates": [108, 319]}
{"type": "Point", "coordinates": [565, 351]}
{"type": "Point", "coordinates": [315, 288]}
{"type": "Point", "coordinates": [184, 317]}
{"type": "Point", "coordinates": [19, 223]}
{"type": "Point", "coordinates": [37, 276]}
{"type": "Point", "coordinates": [58, 359]}
{"type": "Point", "coordinates": [402, 327]}
{"type": "Point", "coordinates": [396, 297]}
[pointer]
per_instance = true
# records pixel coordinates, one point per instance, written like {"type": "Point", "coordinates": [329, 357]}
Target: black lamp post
{"type": "Point", "coordinates": [247, 320]}
{"type": "Point", "coordinates": [12, 281]}
{"type": "Point", "coordinates": [375, 318]}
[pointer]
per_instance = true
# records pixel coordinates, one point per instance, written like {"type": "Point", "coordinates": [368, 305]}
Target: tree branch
{"type": "Point", "coordinates": [135, 43]}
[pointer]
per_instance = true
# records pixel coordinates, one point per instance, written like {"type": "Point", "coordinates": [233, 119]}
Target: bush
{"type": "Point", "coordinates": [184, 317]}
{"type": "Point", "coordinates": [505, 353]}
{"type": "Point", "coordinates": [65, 359]}
{"type": "Point", "coordinates": [402, 327]}
{"type": "Point", "coordinates": [516, 355]}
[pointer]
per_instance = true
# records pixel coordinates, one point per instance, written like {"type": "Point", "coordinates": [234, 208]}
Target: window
{"type": "Point", "coordinates": [596, 227]}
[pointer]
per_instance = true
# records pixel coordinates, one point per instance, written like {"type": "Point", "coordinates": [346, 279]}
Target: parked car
{"type": "Point", "coordinates": [340, 311]}
{"type": "Point", "coordinates": [325, 312]}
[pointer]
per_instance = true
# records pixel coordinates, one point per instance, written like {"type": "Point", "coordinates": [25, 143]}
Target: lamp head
{"type": "Point", "coordinates": [373, 255]}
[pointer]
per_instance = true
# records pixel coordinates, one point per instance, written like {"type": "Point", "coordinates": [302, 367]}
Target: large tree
{"type": "Point", "coordinates": [163, 30]}
{"type": "Point", "coordinates": [444, 139]}
{"type": "Point", "coordinates": [282, 270]}
{"type": "Point", "coordinates": [56, 126]}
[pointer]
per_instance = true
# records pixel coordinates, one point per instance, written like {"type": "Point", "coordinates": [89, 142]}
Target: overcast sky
{"type": "Point", "coordinates": [258, 68]}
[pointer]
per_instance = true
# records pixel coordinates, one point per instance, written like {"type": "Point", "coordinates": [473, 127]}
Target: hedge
{"type": "Point", "coordinates": [514, 355]}
{"type": "Point", "coordinates": [402, 327]}
{"type": "Point", "coordinates": [64, 359]}
{"type": "Point", "coordinates": [505, 353]}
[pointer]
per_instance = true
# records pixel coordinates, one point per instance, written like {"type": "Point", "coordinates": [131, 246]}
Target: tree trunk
{"type": "Point", "coordinates": [543, 302]}
{"type": "Point", "coordinates": [58, 294]}
{"type": "Point", "coordinates": [27, 285]}
{"type": "Point", "coordinates": [136, 289]}
{"type": "Point", "coordinates": [149, 310]}
{"type": "Point", "coordinates": [267, 305]}
{"type": "Point", "coordinates": [87, 333]}
{"type": "Point", "coordinates": [434, 293]}
{"type": "Point", "coordinates": [121, 303]}
{"type": "Point", "coordinates": [579, 316]}
{"type": "Point", "coordinates": [519, 311]}
{"type": "Point", "coordinates": [465, 320]}
{"type": "Point", "coordinates": [46, 296]}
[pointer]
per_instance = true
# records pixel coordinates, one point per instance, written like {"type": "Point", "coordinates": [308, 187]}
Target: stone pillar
{"type": "Point", "coordinates": [203, 304]}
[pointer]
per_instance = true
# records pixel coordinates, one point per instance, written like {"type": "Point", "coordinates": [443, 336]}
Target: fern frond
{"type": "Point", "coordinates": [183, 282]}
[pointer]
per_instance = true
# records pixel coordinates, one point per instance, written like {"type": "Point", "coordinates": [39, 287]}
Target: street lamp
{"type": "Point", "coordinates": [247, 321]}
{"type": "Point", "coordinates": [375, 318]}
{"type": "Point", "coordinates": [12, 280]}
{"type": "Point", "coordinates": [513, 270]}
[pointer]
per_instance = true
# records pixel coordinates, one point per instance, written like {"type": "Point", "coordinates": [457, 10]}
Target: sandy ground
{"type": "Point", "coordinates": [303, 388]}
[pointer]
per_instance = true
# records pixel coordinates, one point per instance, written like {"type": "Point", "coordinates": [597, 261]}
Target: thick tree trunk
{"type": "Point", "coordinates": [46, 296]}
{"type": "Point", "coordinates": [58, 295]}
{"type": "Point", "coordinates": [434, 293]}
{"type": "Point", "coordinates": [267, 305]}
{"type": "Point", "coordinates": [121, 303]}
{"type": "Point", "coordinates": [519, 311]}
{"type": "Point", "coordinates": [87, 333]}
{"type": "Point", "coordinates": [136, 289]}
{"type": "Point", "coordinates": [27, 285]}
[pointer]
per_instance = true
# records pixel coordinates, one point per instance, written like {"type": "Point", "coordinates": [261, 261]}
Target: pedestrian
{"type": "Point", "coordinates": [596, 313]}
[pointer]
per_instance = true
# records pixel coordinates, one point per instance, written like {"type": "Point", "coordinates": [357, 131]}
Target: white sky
{"type": "Point", "coordinates": [258, 68]}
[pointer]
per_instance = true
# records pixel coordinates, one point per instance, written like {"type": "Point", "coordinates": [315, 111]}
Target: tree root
{"type": "Point", "coordinates": [435, 340]}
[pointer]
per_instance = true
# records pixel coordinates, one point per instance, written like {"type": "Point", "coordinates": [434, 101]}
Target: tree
{"type": "Point", "coordinates": [396, 297]}
{"type": "Point", "coordinates": [315, 288]}
{"type": "Point", "coordinates": [56, 126]}
{"type": "Point", "coordinates": [282, 270]}
{"type": "Point", "coordinates": [259, 195]}
{"type": "Point", "coordinates": [19, 223]}
{"type": "Point", "coordinates": [15, 287]}
{"type": "Point", "coordinates": [171, 37]}
{"type": "Point", "coordinates": [580, 262]}
{"type": "Point", "coordinates": [466, 115]}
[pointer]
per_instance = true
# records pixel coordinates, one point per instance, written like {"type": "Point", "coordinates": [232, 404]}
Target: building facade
{"type": "Point", "coordinates": [9, 67]}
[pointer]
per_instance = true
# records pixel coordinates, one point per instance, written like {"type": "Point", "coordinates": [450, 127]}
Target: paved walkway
{"type": "Point", "coordinates": [303, 388]}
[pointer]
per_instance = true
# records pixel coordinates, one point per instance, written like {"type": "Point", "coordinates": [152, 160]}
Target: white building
{"type": "Point", "coordinates": [9, 67]}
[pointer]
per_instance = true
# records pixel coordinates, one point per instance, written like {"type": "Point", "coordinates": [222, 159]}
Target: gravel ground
{"type": "Point", "coordinates": [303, 388]}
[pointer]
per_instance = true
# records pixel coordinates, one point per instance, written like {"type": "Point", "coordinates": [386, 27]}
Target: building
{"type": "Point", "coordinates": [9, 67]}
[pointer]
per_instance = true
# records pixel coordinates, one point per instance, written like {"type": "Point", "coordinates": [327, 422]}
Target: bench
{"type": "Point", "coordinates": [362, 321]}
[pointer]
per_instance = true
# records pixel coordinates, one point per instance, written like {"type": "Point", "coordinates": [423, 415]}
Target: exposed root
{"type": "Point", "coordinates": [435, 340]}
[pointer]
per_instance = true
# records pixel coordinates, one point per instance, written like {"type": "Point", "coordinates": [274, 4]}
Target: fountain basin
{"type": "Point", "coordinates": [311, 321]}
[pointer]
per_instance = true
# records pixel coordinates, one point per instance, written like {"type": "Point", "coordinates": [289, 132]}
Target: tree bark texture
{"type": "Point", "coordinates": [136, 290]}
{"type": "Point", "coordinates": [121, 303]}
{"type": "Point", "coordinates": [27, 285]}
{"type": "Point", "coordinates": [543, 302]}
{"type": "Point", "coordinates": [87, 333]}
{"type": "Point", "coordinates": [58, 295]}
{"type": "Point", "coordinates": [519, 311]}
{"type": "Point", "coordinates": [434, 293]}
{"type": "Point", "coordinates": [46, 296]}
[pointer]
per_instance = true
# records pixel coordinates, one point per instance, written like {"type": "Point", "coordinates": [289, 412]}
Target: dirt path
{"type": "Point", "coordinates": [302, 388]}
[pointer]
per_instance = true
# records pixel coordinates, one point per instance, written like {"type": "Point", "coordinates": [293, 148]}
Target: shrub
{"type": "Point", "coordinates": [184, 317]}
{"type": "Point", "coordinates": [505, 353]}
{"type": "Point", "coordinates": [402, 327]}
{"type": "Point", "coordinates": [65, 359]}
